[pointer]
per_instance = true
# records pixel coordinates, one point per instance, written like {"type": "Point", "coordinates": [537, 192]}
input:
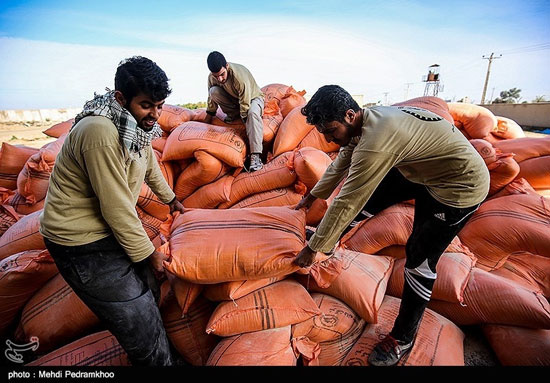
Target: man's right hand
{"type": "Point", "coordinates": [305, 202]}
{"type": "Point", "coordinates": [208, 118]}
{"type": "Point", "coordinates": [156, 260]}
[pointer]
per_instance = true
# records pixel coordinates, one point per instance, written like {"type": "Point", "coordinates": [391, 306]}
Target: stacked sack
{"type": "Point", "coordinates": [233, 295]}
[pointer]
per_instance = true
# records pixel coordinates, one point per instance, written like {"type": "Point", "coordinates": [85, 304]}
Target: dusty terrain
{"type": "Point", "coordinates": [28, 134]}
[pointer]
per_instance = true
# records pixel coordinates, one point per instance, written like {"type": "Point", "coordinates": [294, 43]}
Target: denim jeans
{"type": "Point", "coordinates": [120, 293]}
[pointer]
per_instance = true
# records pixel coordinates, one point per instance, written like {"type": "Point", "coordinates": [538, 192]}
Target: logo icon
{"type": "Point", "coordinates": [440, 216]}
{"type": "Point", "coordinates": [14, 349]}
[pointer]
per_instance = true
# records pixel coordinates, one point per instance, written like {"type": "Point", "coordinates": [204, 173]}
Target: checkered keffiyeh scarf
{"type": "Point", "coordinates": [131, 135]}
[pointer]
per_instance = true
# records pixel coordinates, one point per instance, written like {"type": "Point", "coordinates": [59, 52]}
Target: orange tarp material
{"type": "Point", "coordinates": [276, 197]}
{"type": "Point", "coordinates": [173, 116]}
{"type": "Point", "coordinates": [292, 131]}
{"type": "Point", "coordinates": [525, 148]}
{"type": "Point", "coordinates": [438, 343]}
{"type": "Point", "coordinates": [319, 207]}
{"type": "Point", "coordinates": [226, 144]}
{"type": "Point", "coordinates": [310, 165]}
{"type": "Point", "coordinates": [150, 224]}
{"type": "Point", "coordinates": [392, 226]}
{"type": "Point", "coordinates": [187, 333]}
{"type": "Point", "coordinates": [12, 160]}
{"type": "Point", "coordinates": [433, 104]}
{"type": "Point", "coordinates": [530, 347]}
{"type": "Point", "coordinates": [536, 171]}
{"type": "Point", "coordinates": [19, 203]}
{"type": "Point", "coordinates": [167, 168]}
{"type": "Point", "coordinates": [474, 120]}
{"type": "Point", "coordinates": [274, 92]}
{"type": "Point", "coordinates": [204, 170]}
{"type": "Point", "coordinates": [280, 304]}
{"type": "Point", "coordinates": [501, 172]}
{"type": "Point", "coordinates": [317, 140]}
{"type": "Point", "coordinates": [22, 235]}
{"type": "Point", "coordinates": [34, 178]}
{"type": "Point", "coordinates": [361, 284]}
{"type": "Point", "coordinates": [325, 339]}
{"type": "Point", "coordinates": [485, 149]}
{"type": "Point", "coordinates": [213, 246]}
{"type": "Point", "coordinates": [399, 252]}
{"type": "Point", "coordinates": [99, 349]}
{"type": "Point", "coordinates": [229, 291]}
{"type": "Point", "coordinates": [210, 195]}
{"type": "Point", "coordinates": [58, 130]}
{"type": "Point", "coordinates": [8, 215]}
{"type": "Point", "coordinates": [278, 173]}
{"type": "Point", "coordinates": [506, 225]}
{"type": "Point", "coordinates": [186, 293]}
{"type": "Point", "coordinates": [151, 204]}
{"type": "Point", "coordinates": [158, 144]}
{"type": "Point", "coordinates": [508, 128]}
{"type": "Point", "coordinates": [261, 348]}
{"type": "Point", "coordinates": [272, 119]}
{"type": "Point", "coordinates": [56, 305]}
{"type": "Point", "coordinates": [489, 298]}
{"type": "Point", "coordinates": [530, 270]}
{"type": "Point", "coordinates": [453, 273]}
{"type": "Point", "coordinates": [21, 275]}
{"type": "Point", "coordinates": [517, 186]}
{"type": "Point", "coordinates": [292, 99]}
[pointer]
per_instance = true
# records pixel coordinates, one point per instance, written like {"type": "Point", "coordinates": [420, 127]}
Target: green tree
{"type": "Point", "coordinates": [540, 99]}
{"type": "Point", "coordinates": [510, 96]}
{"type": "Point", "coordinates": [194, 105]}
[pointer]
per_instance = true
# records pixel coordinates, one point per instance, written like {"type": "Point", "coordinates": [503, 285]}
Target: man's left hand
{"type": "Point", "coordinates": [306, 257]}
{"type": "Point", "coordinates": [176, 205]}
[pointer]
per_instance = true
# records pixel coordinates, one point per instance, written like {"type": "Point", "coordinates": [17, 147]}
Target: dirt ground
{"type": "Point", "coordinates": [28, 134]}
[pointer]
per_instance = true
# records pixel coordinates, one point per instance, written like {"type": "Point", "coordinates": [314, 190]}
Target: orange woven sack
{"type": "Point", "coordinates": [531, 347]}
{"type": "Point", "coordinates": [325, 339]}
{"type": "Point", "coordinates": [433, 104]}
{"type": "Point", "coordinates": [22, 235]}
{"type": "Point", "coordinates": [210, 195]}
{"type": "Point", "coordinates": [317, 140]}
{"type": "Point", "coordinates": [150, 224]}
{"type": "Point", "coordinates": [502, 172]}
{"type": "Point", "coordinates": [58, 130]}
{"type": "Point", "coordinates": [204, 170]}
{"type": "Point", "coordinates": [272, 119]}
{"type": "Point", "coordinates": [506, 225]}
{"type": "Point", "coordinates": [276, 197]}
{"type": "Point", "coordinates": [473, 120]}
{"type": "Point", "coordinates": [508, 128]}
{"type": "Point", "coordinates": [56, 305]}
{"type": "Point", "coordinates": [525, 148]}
{"type": "Point", "coordinates": [187, 333]}
{"type": "Point", "coordinates": [261, 348]}
{"type": "Point", "coordinates": [489, 298]}
{"type": "Point", "coordinates": [529, 270]}
{"type": "Point", "coordinates": [453, 273]}
{"type": "Point", "coordinates": [361, 284]}
{"type": "Point", "coordinates": [21, 275]}
{"type": "Point", "coordinates": [392, 226]}
{"type": "Point", "coordinates": [536, 171]}
{"type": "Point", "coordinates": [310, 164]}
{"type": "Point", "coordinates": [8, 215]}
{"type": "Point", "coordinates": [319, 207]}
{"type": "Point", "coordinates": [274, 92]}
{"type": "Point", "coordinates": [292, 131]}
{"type": "Point", "coordinates": [291, 100]}
{"type": "Point", "coordinates": [485, 149]}
{"type": "Point", "coordinates": [226, 144]}
{"type": "Point", "coordinates": [213, 245]}
{"type": "Point", "coordinates": [167, 168]}
{"type": "Point", "coordinates": [12, 160]}
{"type": "Point", "coordinates": [159, 143]}
{"type": "Point", "coordinates": [151, 204]}
{"type": "Point", "coordinates": [34, 178]}
{"type": "Point", "coordinates": [99, 349]}
{"type": "Point", "coordinates": [173, 116]}
{"type": "Point", "coordinates": [439, 342]}
{"type": "Point", "coordinates": [277, 173]}
{"type": "Point", "coordinates": [229, 291]}
{"type": "Point", "coordinates": [263, 309]}
{"type": "Point", "coordinates": [19, 203]}
{"type": "Point", "coordinates": [517, 186]}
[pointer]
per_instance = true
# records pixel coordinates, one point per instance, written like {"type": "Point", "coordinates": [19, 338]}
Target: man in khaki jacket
{"type": "Point", "coordinates": [390, 155]}
{"type": "Point", "coordinates": [90, 223]}
{"type": "Point", "coordinates": [232, 87]}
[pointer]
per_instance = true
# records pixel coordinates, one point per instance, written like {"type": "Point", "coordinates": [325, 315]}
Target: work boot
{"type": "Point", "coordinates": [389, 352]}
{"type": "Point", "coordinates": [255, 162]}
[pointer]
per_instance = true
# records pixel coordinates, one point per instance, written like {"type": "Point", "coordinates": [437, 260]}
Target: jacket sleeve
{"type": "Point", "coordinates": [366, 171]}
{"type": "Point", "coordinates": [105, 168]}
{"type": "Point", "coordinates": [211, 106]}
{"type": "Point", "coordinates": [335, 172]}
{"type": "Point", "coordinates": [155, 179]}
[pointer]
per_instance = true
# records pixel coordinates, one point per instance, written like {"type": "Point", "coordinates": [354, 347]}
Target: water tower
{"type": "Point", "coordinates": [432, 81]}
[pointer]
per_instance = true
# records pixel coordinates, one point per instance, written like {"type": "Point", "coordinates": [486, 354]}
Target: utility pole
{"type": "Point", "coordinates": [490, 58]}
{"type": "Point", "coordinates": [386, 97]}
{"type": "Point", "coordinates": [408, 84]}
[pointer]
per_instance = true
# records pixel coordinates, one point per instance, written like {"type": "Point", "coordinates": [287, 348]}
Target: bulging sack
{"type": "Point", "coordinates": [22, 235]}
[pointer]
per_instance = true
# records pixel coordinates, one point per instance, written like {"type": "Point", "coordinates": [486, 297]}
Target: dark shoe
{"type": "Point", "coordinates": [255, 162]}
{"type": "Point", "coordinates": [388, 352]}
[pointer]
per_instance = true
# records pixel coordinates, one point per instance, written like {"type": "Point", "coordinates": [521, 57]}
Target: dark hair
{"type": "Point", "coordinates": [139, 74]}
{"type": "Point", "coordinates": [215, 61]}
{"type": "Point", "coordinates": [329, 103]}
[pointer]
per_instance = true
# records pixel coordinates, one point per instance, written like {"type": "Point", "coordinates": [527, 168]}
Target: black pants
{"type": "Point", "coordinates": [119, 292]}
{"type": "Point", "coordinates": [435, 225]}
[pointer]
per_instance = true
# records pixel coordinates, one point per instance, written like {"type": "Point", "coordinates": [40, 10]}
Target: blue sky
{"type": "Point", "coordinates": [57, 53]}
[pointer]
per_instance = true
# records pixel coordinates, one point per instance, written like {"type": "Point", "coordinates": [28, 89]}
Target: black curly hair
{"type": "Point", "coordinates": [329, 103]}
{"type": "Point", "coordinates": [139, 74]}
